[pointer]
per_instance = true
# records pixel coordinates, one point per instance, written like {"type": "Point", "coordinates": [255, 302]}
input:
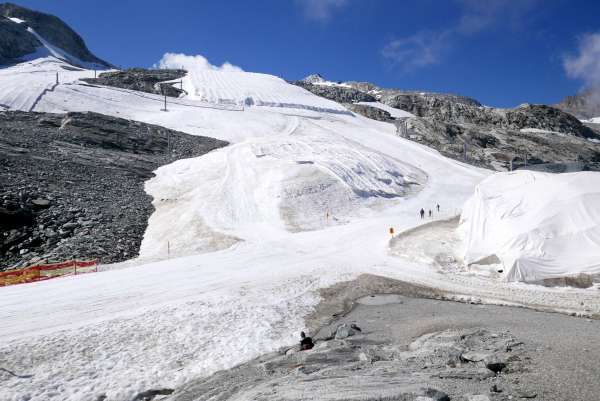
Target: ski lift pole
{"type": "Point", "coordinates": [165, 109]}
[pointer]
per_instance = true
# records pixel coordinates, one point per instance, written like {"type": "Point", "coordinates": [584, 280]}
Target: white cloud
{"type": "Point", "coordinates": [192, 63]}
{"type": "Point", "coordinates": [321, 10]}
{"type": "Point", "coordinates": [586, 64]}
{"type": "Point", "coordinates": [419, 50]}
{"type": "Point", "coordinates": [426, 48]}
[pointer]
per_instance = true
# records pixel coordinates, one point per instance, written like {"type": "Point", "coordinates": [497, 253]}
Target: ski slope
{"type": "Point", "coordinates": [302, 198]}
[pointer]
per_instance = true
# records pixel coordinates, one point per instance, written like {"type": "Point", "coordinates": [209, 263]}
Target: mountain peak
{"type": "Point", "coordinates": [23, 32]}
{"type": "Point", "coordinates": [314, 78]}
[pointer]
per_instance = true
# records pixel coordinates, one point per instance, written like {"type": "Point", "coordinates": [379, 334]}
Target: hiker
{"type": "Point", "coordinates": [438, 207]}
{"type": "Point", "coordinates": [429, 213]}
{"type": "Point", "coordinates": [306, 343]}
{"type": "Point", "coordinates": [422, 214]}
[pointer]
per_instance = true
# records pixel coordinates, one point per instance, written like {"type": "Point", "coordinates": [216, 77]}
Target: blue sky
{"type": "Point", "coordinates": [501, 52]}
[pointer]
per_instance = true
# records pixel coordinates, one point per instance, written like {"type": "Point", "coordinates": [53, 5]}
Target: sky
{"type": "Point", "coordinates": [501, 52]}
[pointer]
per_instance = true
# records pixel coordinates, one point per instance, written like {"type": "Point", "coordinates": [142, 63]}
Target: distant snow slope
{"type": "Point", "coordinates": [302, 198]}
{"type": "Point", "coordinates": [396, 113]}
{"type": "Point", "coordinates": [538, 225]}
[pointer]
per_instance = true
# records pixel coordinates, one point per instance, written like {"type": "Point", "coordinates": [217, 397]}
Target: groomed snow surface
{"type": "Point", "coordinates": [302, 198]}
{"type": "Point", "coordinates": [537, 225]}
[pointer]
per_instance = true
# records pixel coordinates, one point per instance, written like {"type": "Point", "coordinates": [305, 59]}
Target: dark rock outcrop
{"type": "Point", "coordinates": [370, 112]}
{"type": "Point", "coordinates": [73, 185]}
{"type": "Point", "coordinates": [140, 79]}
{"type": "Point", "coordinates": [425, 104]}
{"type": "Point", "coordinates": [338, 94]}
{"type": "Point", "coordinates": [16, 41]}
{"type": "Point", "coordinates": [495, 148]}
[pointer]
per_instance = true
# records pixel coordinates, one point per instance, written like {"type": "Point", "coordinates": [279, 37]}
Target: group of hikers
{"type": "Point", "coordinates": [422, 212]}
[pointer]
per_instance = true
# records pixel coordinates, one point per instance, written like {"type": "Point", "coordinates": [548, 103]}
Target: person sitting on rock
{"type": "Point", "coordinates": [306, 343]}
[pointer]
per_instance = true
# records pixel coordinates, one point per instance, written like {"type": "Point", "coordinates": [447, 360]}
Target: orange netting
{"type": "Point", "coordinates": [47, 271]}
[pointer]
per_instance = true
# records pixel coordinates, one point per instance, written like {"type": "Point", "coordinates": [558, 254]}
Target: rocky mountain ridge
{"type": "Point", "coordinates": [17, 42]}
{"type": "Point", "coordinates": [461, 128]}
{"type": "Point", "coordinates": [584, 105]}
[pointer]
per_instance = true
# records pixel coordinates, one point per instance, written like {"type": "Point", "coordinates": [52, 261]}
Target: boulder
{"type": "Point", "coordinates": [344, 331]}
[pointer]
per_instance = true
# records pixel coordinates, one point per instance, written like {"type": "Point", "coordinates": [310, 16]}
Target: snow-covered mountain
{"type": "Point", "coordinates": [241, 239]}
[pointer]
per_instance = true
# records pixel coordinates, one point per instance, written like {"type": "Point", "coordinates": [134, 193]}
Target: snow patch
{"type": "Point", "coordinates": [16, 20]}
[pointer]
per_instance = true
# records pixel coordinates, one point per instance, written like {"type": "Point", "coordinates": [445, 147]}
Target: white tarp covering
{"type": "Point", "coordinates": [538, 225]}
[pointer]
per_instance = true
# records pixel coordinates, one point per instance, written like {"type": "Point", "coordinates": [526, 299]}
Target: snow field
{"type": "Point", "coordinates": [302, 198]}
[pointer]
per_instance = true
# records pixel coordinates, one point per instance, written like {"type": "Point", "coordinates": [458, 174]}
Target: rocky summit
{"type": "Point", "coordinates": [73, 185]}
{"type": "Point", "coordinates": [16, 41]}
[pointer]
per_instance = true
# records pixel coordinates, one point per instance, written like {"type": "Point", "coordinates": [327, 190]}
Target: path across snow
{"type": "Point", "coordinates": [303, 198]}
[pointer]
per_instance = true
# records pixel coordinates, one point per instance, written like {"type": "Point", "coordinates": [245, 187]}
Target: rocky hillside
{"type": "Point", "coordinates": [73, 185]}
{"type": "Point", "coordinates": [584, 105]}
{"type": "Point", "coordinates": [461, 128]}
{"type": "Point", "coordinates": [140, 79]}
{"type": "Point", "coordinates": [16, 41]}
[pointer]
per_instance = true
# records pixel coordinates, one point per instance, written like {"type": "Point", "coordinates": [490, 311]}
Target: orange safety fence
{"type": "Point", "coordinates": [47, 271]}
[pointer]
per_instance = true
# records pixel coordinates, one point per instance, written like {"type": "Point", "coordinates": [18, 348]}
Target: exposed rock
{"type": "Point", "coordinates": [149, 395]}
{"type": "Point", "coordinates": [526, 394]}
{"type": "Point", "coordinates": [140, 79]}
{"type": "Point", "coordinates": [370, 112]}
{"type": "Point", "coordinates": [529, 136]}
{"type": "Point", "coordinates": [16, 41]}
{"type": "Point", "coordinates": [41, 203]}
{"type": "Point", "coordinates": [427, 104]}
{"type": "Point", "coordinates": [495, 365]}
{"type": "Point", "coordinates": [584, 105]}
{"type": "Point", "coordinates": [336, 93]}
{"type": "Point", "coordinates": [344, 331]}
{"type": "Point", "coordinates": [496, 148]}
{"type": "Point", "coordinates": [79, 189]}
{"type": "Point", "coordinates": [436, 395]}
{"type": "Point", "coordinates": [352, 368]}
